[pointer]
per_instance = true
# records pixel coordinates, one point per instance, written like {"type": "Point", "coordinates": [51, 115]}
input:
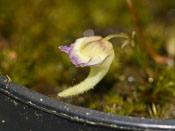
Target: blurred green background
{"type": "Point", "coordinates": [31, 31]}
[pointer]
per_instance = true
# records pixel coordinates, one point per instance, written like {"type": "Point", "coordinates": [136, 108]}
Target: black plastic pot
{"type": "Point", "coordinates": [24, 110]}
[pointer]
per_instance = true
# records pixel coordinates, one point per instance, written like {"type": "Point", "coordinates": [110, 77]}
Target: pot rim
{"type": "Point", "coordinates": [80, 114]}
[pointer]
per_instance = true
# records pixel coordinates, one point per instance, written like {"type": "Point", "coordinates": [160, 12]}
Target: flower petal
{"type": "Point", "coordinates": [64, 48]}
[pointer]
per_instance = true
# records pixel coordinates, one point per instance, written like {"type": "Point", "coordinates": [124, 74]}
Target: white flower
{"type": "Point", "coordinates": [93, 51]}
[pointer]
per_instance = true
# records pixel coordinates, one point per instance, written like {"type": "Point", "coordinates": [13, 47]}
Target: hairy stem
{"type": "Point", "coordinates": [96, 74]}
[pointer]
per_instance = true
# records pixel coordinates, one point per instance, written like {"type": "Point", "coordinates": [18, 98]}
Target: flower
{"type": "Point", "coordinates": [93, 51]}
{"type": "Point", "coordinates": [88, 51]}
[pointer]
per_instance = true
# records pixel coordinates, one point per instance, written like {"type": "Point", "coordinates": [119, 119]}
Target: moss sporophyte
{"type": "Point", "coordinates": [94, 52]}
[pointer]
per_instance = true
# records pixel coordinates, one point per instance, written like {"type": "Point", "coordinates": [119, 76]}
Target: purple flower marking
{"type": "Point", "coordinates": [69, 50]}
{"type": "Point", "coordinates": [64, 48]}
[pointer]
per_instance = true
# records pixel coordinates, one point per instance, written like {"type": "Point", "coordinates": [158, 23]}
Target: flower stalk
{"type": "Point", "coordinates": [159, 59]}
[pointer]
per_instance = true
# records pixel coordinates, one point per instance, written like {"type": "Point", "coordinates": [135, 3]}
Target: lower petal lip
{"type": "Point", "coordinates": [86, 64]}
